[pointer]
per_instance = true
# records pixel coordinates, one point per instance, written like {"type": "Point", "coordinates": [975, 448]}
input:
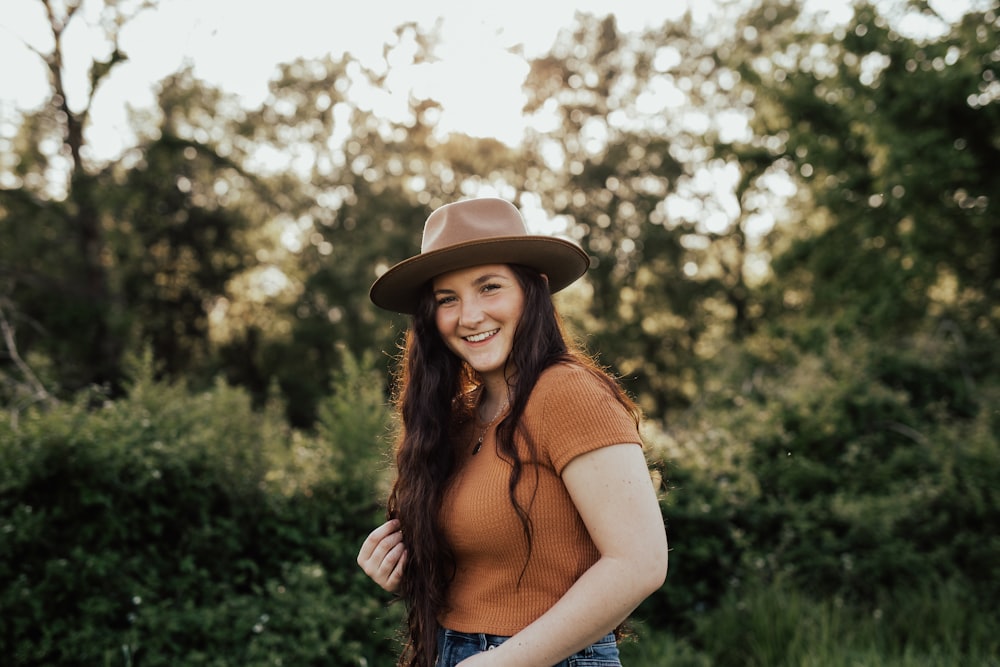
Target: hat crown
{"type": "Point", "coordinates": [469, 221]}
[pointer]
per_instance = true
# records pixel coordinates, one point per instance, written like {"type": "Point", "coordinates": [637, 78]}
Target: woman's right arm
{"type": "Point", "coordinates": [383, 556]}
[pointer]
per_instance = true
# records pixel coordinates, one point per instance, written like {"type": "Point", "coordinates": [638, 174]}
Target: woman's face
{"type": "Point", "coordinates": [477, 311]}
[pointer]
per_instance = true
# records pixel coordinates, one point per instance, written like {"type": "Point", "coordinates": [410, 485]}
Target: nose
{"type": "Point", "coordinates": [471, 314]}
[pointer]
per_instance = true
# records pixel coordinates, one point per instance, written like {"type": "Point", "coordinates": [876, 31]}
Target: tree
{"type": "Point", "coordinates": [895, 141]}
{"type": "Point", "coordinates": [351, 202]}
{"type": "Point", "coordinates": [625, 161]}
{"type": "Point", "coordinates": [56, 268]}
{"type": "Point", "coordinates": [187, 215]}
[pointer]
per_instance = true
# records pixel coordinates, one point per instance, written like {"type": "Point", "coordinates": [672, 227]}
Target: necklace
{"type": "Point", "coordinates": [479, 442]}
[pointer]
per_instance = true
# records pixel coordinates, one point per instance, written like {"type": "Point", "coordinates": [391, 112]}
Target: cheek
{"type": "Point", "coordinates": [443, 322]}
{"type": "Point", "coordinates": [517, 309]}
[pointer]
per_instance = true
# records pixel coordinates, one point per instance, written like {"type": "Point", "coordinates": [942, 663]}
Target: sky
{"type": "Point", "coordinates": [237, 44]}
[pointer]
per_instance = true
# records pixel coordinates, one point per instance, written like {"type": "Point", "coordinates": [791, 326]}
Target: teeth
{"type": "Point", "coordinates": [483, 336]}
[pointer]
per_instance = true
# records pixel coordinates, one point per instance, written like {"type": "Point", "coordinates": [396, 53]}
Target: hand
{"type": "Point", "coordinates": [383, 556]}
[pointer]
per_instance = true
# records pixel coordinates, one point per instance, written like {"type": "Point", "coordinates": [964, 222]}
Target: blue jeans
{"type": "Point", "coordinates": [454, 647]}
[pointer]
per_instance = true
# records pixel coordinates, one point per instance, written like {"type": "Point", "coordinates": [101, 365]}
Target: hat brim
{"type": "Point", "coordinates": [398, 289]}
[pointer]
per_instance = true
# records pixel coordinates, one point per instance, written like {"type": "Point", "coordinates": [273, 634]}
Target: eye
{"type": "Point", "coordinates": [491, 287]}
{"type": "Point", "coordinates": [445, 300]}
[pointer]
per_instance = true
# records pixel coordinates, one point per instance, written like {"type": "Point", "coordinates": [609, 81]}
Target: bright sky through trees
{"type": "Point", "coordinates": [236, 45]}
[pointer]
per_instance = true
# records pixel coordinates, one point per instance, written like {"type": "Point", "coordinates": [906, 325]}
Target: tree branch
{"type": "Point", "coordinates": [37, 390]}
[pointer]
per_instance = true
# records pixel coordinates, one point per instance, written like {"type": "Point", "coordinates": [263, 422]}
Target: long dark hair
{"type": "Point", "coordinates": [434, 390]}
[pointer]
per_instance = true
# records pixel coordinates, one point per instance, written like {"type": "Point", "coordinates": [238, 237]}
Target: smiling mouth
{"type": "Point", "coordinates": [477, 338]}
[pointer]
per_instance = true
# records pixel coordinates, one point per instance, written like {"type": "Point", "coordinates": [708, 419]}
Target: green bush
{"type": "Point", "coordinates": [819, 499]}
{"type": "Point", "coordinates": [172, 527]}
{"type": "Point", "coordinates": [762, 624]}
{"type": "Point", "coordinates": [854, 472]}
{"type": "Point", "coordinates": [774, 625]}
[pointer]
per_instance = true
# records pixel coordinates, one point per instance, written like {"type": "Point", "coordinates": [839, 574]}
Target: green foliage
{"type": "Point", "coordinates": [828, 429]}
{"type": "Point", "coordinates": [180, 527]}
{"type": "Point", "coordinates": [176, 249]}
{"type": "Point", "coordinates": [837, 472]}
{"type": "Point", "coordinates": [773, 626]}
{"type": "Point", "coordinates": [640, 307]}
{"type": "Point", "coordinates": [937, 624]}
{"type": "Point", "coordinates": [894, 142]}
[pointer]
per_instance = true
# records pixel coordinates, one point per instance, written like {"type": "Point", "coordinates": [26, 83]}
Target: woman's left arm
{"type": "Point", "coordinates": [613, 492]}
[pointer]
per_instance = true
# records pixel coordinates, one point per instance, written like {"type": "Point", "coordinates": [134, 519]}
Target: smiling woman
{"type": "Point", "coordinates": [478, 310]}
{"type": "Point", "coordinates": [523, 527]}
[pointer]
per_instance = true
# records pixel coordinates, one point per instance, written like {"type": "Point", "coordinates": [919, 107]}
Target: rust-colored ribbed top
{"type": "Point", "coordinates": [570, 412]}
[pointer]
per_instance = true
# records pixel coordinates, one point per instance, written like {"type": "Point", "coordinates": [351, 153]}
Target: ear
{"type": "Point", "coordinates": [545, 278]}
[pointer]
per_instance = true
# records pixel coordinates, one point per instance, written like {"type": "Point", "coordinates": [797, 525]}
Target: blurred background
{"type": "Point", "coordinates": [792, 213]}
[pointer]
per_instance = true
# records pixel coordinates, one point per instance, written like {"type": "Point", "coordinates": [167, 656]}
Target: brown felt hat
{"type": "Point", "coordinates": [472, 232]}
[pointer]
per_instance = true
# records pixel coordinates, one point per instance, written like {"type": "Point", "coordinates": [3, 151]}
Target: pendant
{"type": "Point", "coordinates": [482, 436]}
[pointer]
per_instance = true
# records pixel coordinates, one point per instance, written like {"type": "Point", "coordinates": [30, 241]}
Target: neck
{"type": "Point", "coordinates": [494, 400]}
{"type": "Point", "coordinates": [494, 388]}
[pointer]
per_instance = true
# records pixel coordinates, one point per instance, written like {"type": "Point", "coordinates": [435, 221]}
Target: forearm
{"type": "Point", "coordinates": [597, 603]}
{"type": "Point", "coordinates": [612, 492]}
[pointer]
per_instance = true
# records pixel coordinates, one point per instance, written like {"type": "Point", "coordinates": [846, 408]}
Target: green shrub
{"type": "Point", "coordinates": [172, 527]}
{"type": "Point", "coordinates": [939, 624]}
{"type": "Point", "coordinates": [774, 625]}
{"type": "Point", "coordinates": [837, 472]}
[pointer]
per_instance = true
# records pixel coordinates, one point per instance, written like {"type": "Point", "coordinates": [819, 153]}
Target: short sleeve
{"type": "Point", "coordinates": [572, 411]}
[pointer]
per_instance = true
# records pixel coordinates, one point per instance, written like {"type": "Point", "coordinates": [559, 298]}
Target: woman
{"type": "Point", "coordinates": [523, 525]}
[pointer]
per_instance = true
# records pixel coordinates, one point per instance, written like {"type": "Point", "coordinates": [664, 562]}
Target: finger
{"type": "Point", "coordinates": [373, 540]}
{"type": "Point", "coordinates": [396, 578]}
{"type": "Point", "coordinates": [385, 564]}
{"type": "Point", "coordinates": [378, 556]}
{"type": "Point", "coordinates": [382, 531]}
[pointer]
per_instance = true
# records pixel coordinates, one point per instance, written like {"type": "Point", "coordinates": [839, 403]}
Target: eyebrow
{"type": "Point", "coordinates": [485, 278]}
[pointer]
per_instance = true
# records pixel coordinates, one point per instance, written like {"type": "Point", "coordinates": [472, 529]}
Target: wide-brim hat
{"type": "Point", "coordinates": [472, 232]}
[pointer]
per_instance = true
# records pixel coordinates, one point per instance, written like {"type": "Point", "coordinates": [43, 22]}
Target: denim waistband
{"type": "Point", "coordinates": [454, 646]}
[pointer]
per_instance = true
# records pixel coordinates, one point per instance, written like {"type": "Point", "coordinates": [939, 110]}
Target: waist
{"type": "Point", "coordinates": [455, 646]}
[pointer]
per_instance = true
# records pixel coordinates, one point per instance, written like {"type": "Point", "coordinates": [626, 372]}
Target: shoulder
{"type": "Point", "coordinates": [569, 377]}
{"type": "Point", "coordinates": [572, 389]}
{"type": "Point", "coordinates": [566, 371]}
{"type": "Point", "coordinates": [574, 409]}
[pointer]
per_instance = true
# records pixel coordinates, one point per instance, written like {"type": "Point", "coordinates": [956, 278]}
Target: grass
{"type": "Point", "coordinates": [775, 626]}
